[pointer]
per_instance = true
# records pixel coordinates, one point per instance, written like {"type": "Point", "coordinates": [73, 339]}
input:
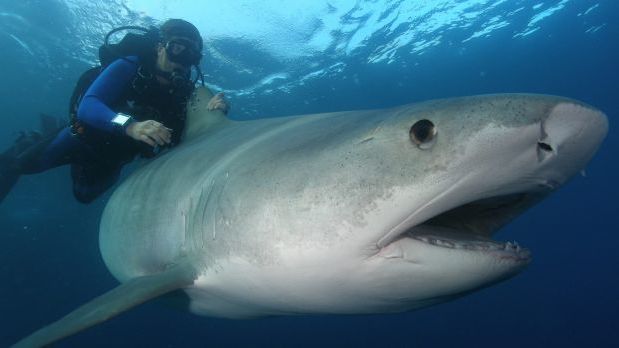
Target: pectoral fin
{"type": "Point", "coordinates": [126, 296]}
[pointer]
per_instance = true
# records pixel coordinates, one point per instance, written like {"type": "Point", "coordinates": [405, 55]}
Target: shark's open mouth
{"type": "Point", "coordinates": [471, 226]}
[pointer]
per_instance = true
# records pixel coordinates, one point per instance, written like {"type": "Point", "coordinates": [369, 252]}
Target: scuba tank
{"type": "Point", "coordinates": [142, 45]}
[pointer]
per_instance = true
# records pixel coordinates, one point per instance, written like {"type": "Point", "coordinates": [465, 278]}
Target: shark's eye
{"type": "Point", "coordinates": [423, 133]}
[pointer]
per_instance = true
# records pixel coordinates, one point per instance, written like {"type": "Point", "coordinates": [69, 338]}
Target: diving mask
{"type": "Point", "coordinates": [183, 52]}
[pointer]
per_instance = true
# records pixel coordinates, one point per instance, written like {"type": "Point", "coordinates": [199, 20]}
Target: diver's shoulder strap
{"type": "Point", "coordinates": [125, 296]}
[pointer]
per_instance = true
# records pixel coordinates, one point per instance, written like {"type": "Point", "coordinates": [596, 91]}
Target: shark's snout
{"type": "Point", "coordinates": [570, 136]}
{"type": "Point", "coordinates": [577, 125]}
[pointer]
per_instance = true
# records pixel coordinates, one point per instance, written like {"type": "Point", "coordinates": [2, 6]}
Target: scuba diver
{"type": "Point", "coordinates": [133, 104]}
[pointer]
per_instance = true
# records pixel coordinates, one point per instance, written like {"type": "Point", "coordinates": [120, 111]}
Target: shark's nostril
{"type": "Point", "coordinates": [544, 146]}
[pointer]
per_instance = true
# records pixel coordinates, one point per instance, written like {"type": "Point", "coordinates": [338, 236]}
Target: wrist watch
{"type": "Point", "coordinates": [121, 121]}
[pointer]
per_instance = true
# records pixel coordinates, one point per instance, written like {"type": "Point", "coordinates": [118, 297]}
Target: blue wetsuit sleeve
{"type": "Point", "coordinates": [108, 87]}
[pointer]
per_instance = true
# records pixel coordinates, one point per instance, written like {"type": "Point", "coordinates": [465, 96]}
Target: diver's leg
{"type": "Point", "coordinates": [63, 149]}
{"type": "Point", "coordinates": [9, 174]}
{"type": "Point", "coordinates": [33, 153]}
{"type": "Point", "coordinates": [91, 180]}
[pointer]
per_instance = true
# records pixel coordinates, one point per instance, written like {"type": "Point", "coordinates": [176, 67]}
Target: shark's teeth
{"type": "Point", "coordinates": [444, 243]}
{"type": "Point", "coordinates": [512, 247]}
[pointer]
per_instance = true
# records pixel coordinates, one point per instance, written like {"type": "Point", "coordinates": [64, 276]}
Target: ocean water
{"type": "Point", "coordinates": [275, 58]}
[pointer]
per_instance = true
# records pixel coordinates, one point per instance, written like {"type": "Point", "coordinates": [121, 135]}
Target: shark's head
{"type": "Point", "coordinates": [464, 168]}
{"type": "Point", "coordinates": [393, 210]}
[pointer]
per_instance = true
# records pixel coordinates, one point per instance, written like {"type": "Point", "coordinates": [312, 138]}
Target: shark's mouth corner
{"type": "Point", "coordinates": [470, 227]}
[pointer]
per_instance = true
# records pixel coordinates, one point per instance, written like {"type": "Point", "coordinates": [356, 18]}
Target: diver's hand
{"type": "Point", "coordinates": [218, 103]}
{"type": "Point", "coordinates": [151, 132]}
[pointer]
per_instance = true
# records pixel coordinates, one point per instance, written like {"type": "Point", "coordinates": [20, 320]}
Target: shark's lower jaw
{"type": "Point", "coordinates": [470, 227]}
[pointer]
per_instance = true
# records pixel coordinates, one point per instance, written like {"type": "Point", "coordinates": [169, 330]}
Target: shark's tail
{"type": "Point", "coordinates": [126, 296]}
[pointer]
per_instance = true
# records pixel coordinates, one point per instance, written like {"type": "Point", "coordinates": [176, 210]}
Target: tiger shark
{"type": "Point", "coordinates": [374, 211]}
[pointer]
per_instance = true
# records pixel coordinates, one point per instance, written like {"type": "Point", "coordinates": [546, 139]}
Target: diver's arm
{"type": "Point", "coordinates": [94, 109]}
{"type": "Point", "coordinates": [106, 90]}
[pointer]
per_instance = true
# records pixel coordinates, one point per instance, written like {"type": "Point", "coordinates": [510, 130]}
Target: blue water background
{"type": "Point", "coordinates": [49, 258]}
